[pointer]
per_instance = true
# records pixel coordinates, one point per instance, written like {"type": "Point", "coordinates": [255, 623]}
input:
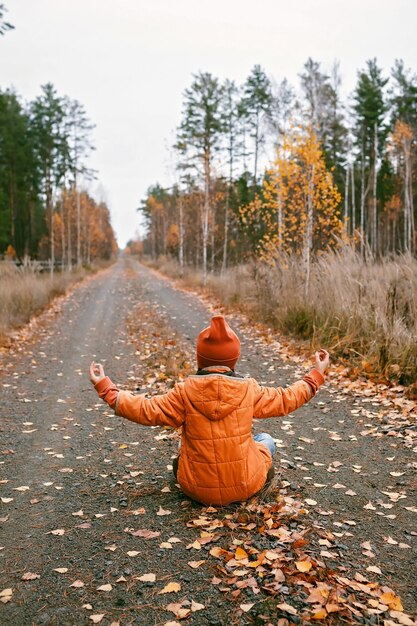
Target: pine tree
{"type": "Point", "coordinates": [255, 109]}
{"type": "Point", "coordinates": [4, 25]}
{"type": "Point", "coordinates": [370, 134]}
{"type": "Point", "coordinates": [47, 117]}
{"type": "Point", "coordinates": [199, 137]}
{"type": "Point", "coordinates": [78, 130]}
{"type": "Point", "coordinates": [20, 219]}
{"type": "Point", "coordinates": [233, 147]}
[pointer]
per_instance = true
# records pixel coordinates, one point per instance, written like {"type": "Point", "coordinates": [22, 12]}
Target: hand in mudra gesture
{"type": "Point", "coordinates": [322, 359]}
{"type": "Point", "coordinates": [96, 372]}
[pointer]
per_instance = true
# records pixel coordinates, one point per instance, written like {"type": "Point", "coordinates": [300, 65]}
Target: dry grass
{"type": "Point", "coordinates": [24, 292]}
{"type": "Point", "coordinates": [364, 311]}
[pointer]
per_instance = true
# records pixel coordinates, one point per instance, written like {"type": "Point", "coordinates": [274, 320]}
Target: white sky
{"type": "Point", "coordinates": [129, 61]}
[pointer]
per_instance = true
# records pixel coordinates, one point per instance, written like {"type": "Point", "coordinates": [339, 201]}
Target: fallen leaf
{"type": "Point", "coordinates": [179, 611]}
{"type": "Point", "coordinates": [162, 511]}
{"type": "Point", "coordinates": [23, 488]}
{"type": "Point", "coordinates": [246, 607]}
{"type": "Point", "coordinates": [374, 569]}
{"type": "Point", "coordinates": [240, 554]}
{"type": "Point", "coordinates": [77, 584]}
{"type": "Point", "coordinates": [61, 570]}
{"type": "Point", "coordinates": [30, 576]}
{"type": "Point", "coordinates": [195, 564]}
{"type": "Point", "coordinates": [146, 578]}
{"type": "Point", "coordinates": [287, 608]}
{"type": "Point", "coordinates": [146, 534]}
{"type": "Point", "coordinates": [96, 619]}
{"type": "Point", "coordinates": [6, 595]}
{"type": "Point", "coordinates": [106, 587]}
{"type": "Point", "coordinates": [171, 588]}
{"type": "Point", "coordinates": [195, 606]}
{"type": "Point", "coordinates": [132, 553]}
{"type": "Point", "coordinates": [303, 566]}
{"type": "Point", "coordinates": [57, 531]}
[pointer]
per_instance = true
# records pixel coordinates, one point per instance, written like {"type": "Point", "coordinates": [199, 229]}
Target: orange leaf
{"type": "Point", "coordinates": [303, 566]}
{"type": "Point", "coordinates": [240, 554]}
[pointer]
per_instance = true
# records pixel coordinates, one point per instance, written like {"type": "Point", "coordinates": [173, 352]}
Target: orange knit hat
{"type": "Point", "coordinates": [217, 344]}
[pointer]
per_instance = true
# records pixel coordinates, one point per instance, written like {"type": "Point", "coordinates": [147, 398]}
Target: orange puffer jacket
{"type": "Point", "coordinates": [219, 460]}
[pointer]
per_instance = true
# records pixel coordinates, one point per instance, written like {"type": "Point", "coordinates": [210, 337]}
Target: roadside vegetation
{"type": "Point", "coordinates": [25, 291]}
{"type": "Point", "coordinates": [364, 311]}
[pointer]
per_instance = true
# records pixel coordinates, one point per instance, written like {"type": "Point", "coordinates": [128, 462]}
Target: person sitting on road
{"type": "Point", "coordinates": [220, 461]}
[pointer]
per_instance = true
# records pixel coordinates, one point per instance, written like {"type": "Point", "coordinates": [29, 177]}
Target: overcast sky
{"type": "Point", "coordinates": [129, 61]}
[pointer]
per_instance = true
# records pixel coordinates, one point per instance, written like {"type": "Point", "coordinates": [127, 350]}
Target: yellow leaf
{"type": "Point", "coordinates": [320, 614]}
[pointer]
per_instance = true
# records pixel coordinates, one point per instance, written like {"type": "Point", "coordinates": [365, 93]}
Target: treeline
{"type": "Point", "coordinates": [343, 168]}
{"type": "Point", "coordinates": [44, 211]}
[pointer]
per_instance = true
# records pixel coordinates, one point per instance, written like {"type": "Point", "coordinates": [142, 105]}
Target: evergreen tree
{"type": "Point", "coordinates": [370, 110]}
{"type": "Point", "coordinates": [255, 109]}
{"type": "Point", "coordinates": [78, 143]}
{"type": "Point", "coordinates": [233, 147]}
{"type": "Point", "coordinates": [20, 219]}
{"type": "Point", "coordinates": [403, 95]}
{"type": "Point", "coordinates": [47, 119]}
{"type": "Point", "coordinates": [199, 138]}
{"type": "Point", "coordinates": [4, 26]}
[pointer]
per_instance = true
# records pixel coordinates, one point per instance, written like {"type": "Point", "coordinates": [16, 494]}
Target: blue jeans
{"type": "Point", "coordinates": [266, 440]}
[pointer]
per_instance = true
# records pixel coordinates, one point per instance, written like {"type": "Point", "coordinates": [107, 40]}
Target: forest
{"type": "Point", "coordinates": [45, 211]}
{"type": "Point", "coordinates": [265, 167]}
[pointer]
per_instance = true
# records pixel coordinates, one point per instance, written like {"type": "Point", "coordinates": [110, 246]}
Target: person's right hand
{"type": "Point", "coordinates": [322, 359]}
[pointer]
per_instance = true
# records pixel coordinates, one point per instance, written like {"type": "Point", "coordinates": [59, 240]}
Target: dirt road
{"type": "Point", "coordinates": [77, 482]}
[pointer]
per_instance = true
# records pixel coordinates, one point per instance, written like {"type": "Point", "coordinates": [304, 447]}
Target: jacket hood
{"type": "Point", "coordinates": [216, 395]}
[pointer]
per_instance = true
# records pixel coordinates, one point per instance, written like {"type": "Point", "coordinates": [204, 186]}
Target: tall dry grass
{"type": "Point", "coordinates": [24, 292]}
{"type": "Point", "coordinates": [364, 311]}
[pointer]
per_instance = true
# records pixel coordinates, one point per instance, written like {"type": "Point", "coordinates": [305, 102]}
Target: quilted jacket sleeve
{"type": "Point", "coordinates": [163, 410]}
{"type": "Point", "coordinates": [277, 401]}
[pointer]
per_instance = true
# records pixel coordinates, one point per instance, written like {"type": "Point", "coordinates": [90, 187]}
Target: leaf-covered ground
{"type": "Point", "coordinates": [95, 530]}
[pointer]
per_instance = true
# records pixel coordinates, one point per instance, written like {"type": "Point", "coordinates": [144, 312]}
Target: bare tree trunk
{"type": "Point", "coordinates": [62, 234]}
{"type": "Point", "coordinates": [255, 167]}
{"type": "Point", "coordinates": [181, 236]}
{"type": "Point", "coordinates": [279, 216]}
{"type": "Point", "coordinates": [374, 203]}
{"type": "Point", "coordinates": [353, 199]}
{"type": "Point", "coordinates": [362, 215]}
{"type": "Point", "coordinates": [226, 232]}
{"type": "Point", "coordinates": [78, 226]}
{"type": "Point", "coordinates": [50, 213]}
{"type": "Point", "coordinates": [69, 238]}
{"type": "Point", "coordinates": [309, 231]}
{"type": "Point", "coordinates": [346, 215]}
{"type": "Point", "coordinates": [206, 213]}
{"type": "Point", "coordinates": [408, 199]}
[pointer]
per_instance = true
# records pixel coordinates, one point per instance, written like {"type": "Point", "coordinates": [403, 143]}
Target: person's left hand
{"type": "Point", "coordinates": [96, 372]}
